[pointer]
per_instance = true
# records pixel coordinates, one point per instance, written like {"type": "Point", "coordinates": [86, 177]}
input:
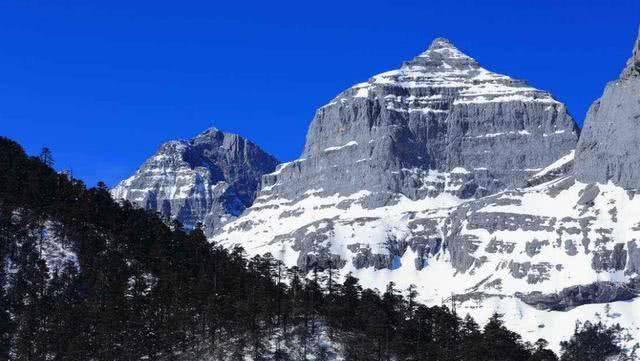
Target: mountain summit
{"type": "Point", "coordinates": [405, 131]}
{"type": "Point", "coordinates": [442, 53]}
{"type": "Point", "coordinates": [462, 181]}
{"type": "Point", "coordinates": [208, 179]}
{"type": "Point", "coordinates": [445, 175]}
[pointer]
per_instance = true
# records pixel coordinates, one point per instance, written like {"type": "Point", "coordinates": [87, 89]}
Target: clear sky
{"type": "Point", "coordinates": [103, 83]}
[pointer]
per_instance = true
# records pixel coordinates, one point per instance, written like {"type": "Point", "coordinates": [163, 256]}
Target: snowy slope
{"type": "Point", "coordinates": [463, 182]}
{"type": "Point", "coordinates": [490, 253]}
{"type": "Point", "coordinates": [444, 175]}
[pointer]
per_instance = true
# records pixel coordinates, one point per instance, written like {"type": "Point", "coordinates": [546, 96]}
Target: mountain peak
{"type": "Point", "coordinates": [441, 53]}
{"type": "Point", "coordinates": [441, 43]}
{"type": "Point", "coordinates": [207, 179]}
{"type": "Point", "coordinates": [633, 65]}
{"type": "Point", "coordinates": [215, 135]}
{"type": "Point", "coordinates": [209, 131]}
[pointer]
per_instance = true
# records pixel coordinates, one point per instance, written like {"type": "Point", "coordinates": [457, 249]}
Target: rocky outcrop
{"type": "Point", "coordinates": [632, 69]}
{"type": "Point", "coordinates": [571, 297]}
{"type": "Point", "coordinates": [209, 179]}
{"type": "Point", "coordinates": [439, 124]}
{"type": "Point", "coordinates": [561, 168]}
{"type": "Point", "coordinates": [466, 183]}
{"type": "Point", "coordinates": [608, 147]}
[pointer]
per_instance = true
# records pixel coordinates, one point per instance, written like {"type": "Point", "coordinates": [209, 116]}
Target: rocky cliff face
{"type": "Point", "coordinates": [467, 184]}
{"type": "Point", "coordinates": [439, 131]}
{"type": "Point", "coordinates": [402, 130]}
{"type": "Point", "coordinates": [209, 179]}
{"type": "Point", "coordinates": [445, 175]}
{"type": "Point", "coordinates": [608, 148]}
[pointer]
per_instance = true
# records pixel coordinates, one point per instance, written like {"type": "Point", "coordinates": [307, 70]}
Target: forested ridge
{"type": "Point", "coordinates": [124, 284]}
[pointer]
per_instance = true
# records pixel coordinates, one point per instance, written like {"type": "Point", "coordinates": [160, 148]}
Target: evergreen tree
{"type": "Point", "coordinates": [542, 353]}
{"type": "Point", "coordinates": [29, 302]}
{"type": "Point", "coordinates": [592, 341]}
{"type": "Point", "coordinates": [500, 343]}
{"type": "Point", "coordinates": [471, 339]}
{"type": "Point", "coordinates": [46, 157]}
{"type": "Point", "coordinates": [144, 288]}
{"type": "Point", "coordinates": [6, 326]}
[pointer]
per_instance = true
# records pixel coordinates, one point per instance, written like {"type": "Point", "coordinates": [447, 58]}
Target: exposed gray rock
{"type": "Point", "coordinates": [571, 297]}
{"type": "Point", "coordinates": [632, 69]}
{"type": "Point", "coordinates": [475, 296]}
{"type": "Point", "coordinates": [497, 246]}
{"type": "Point", "coordinates": [633, 264]}
{"type": "Point", "coordinates": [610, 260]}
{"type": "Point", "coordinates": [533, 248]}
{"type": "Point", "coordinates": [499, 221]}
{"type": "Point", "coordinates": [563, 167]}
{"type": "Point", "coordinates": [560, 186]}
{"type": "Point", "coordinates": [608, 147]}
{"type": "Point", "coordinates": [208, 179]}
{"type": "Point", "coordinates": [365, 257]}
{"type": "Point", "coordinates": [534, 272]}
{"type": "Point", "coordinates": [588, 195]}
{"type": "Point", "coordinates": [570, 247]}
{"type": "Point", "coordinates": [440, 123]}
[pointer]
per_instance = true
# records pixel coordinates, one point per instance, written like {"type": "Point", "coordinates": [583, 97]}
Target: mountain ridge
{"type": "Point", "coordinates": [207, 179]}
{"type": "Point", "coordinates": [422, 117]}
{"type": "Point", "coordinates": [472, 185]}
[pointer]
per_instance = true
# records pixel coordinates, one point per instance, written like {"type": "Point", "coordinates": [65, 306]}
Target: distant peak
{"type": "Point", "coordinates": [214, 135]}
{"type": "Point", "coordinates": [211, 133]}
{"type": "Point", "coordinates": [441, 43]}
{"type": "Point", "coordinates": [211, 130]}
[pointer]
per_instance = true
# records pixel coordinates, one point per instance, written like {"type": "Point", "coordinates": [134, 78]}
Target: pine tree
{"type": "Point", "coordinates": [500, 343]}
{"type": "Point", "coordinates": [471, 338]}
{"type": "Point", "coordinates": [592, 341]}
{"type": "Point", "coordinates": [46, 157]}
{"type": "Point", "coordinates": [29, 302]}
{"type": "Point", "coordinates": [541, 352]}
{"type": "Point", "coordinates": [145, 289]}
{"type": "Point", "coordinates": [6, 326]}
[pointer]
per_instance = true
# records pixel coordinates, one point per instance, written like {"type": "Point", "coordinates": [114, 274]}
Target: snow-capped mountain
{"type": "Point", "coordinates": [440, 114]}
{"type": "Point", "coordinates": [467, 183]}
{"type": "Point", "coordinates": [209, 179]}
{"type": "Point", "coordinates": [434, 134]}
{"type": "Point", "coordinates": [463, 182]}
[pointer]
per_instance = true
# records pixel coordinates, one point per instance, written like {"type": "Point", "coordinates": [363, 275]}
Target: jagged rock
{"type": "Point", "coordinates": [558, 169]}
{"type": "Point", "coordinates": [440, 123]}
{"type": "Point", "coordinates": [632, 69]}
{"type": "Point", "coordinates": [571, 297]}
{"type": "Point", "coordinates": [633, 264]}
{"type": "Point", "coordinates": [209, 179]}
{"type": "Point", "coordinates": [610, 260]}
{"type": "Point", "coordinates": [608, 147]}
{"type": "Point", "coordinates": [532, 248]}
{"type": "Point", "coordinates": [413, 173]}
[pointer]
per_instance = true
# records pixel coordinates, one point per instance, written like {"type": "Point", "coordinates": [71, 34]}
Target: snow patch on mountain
{"type": "Point", "coordinates": [209, 179]}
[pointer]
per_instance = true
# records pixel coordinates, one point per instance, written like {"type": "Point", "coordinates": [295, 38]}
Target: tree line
{"type": "Point", "coordinates": [132, 287]}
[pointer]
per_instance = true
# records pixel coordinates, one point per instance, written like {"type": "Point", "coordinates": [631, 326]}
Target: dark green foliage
{"type": "Point", "coordinates": [6, 327]}
{"type": "Point", "coordinates": [541, 353]}
{"type": "Point", "coordinates": [500, 343]}
{"type": "Point", "coordinates": [144, 290]}
{"type": "Point", "coordinates": [592, 341]}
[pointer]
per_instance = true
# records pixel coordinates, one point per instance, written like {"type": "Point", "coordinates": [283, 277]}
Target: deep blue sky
{"type": "Point", "coordinates": [104, 84]}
